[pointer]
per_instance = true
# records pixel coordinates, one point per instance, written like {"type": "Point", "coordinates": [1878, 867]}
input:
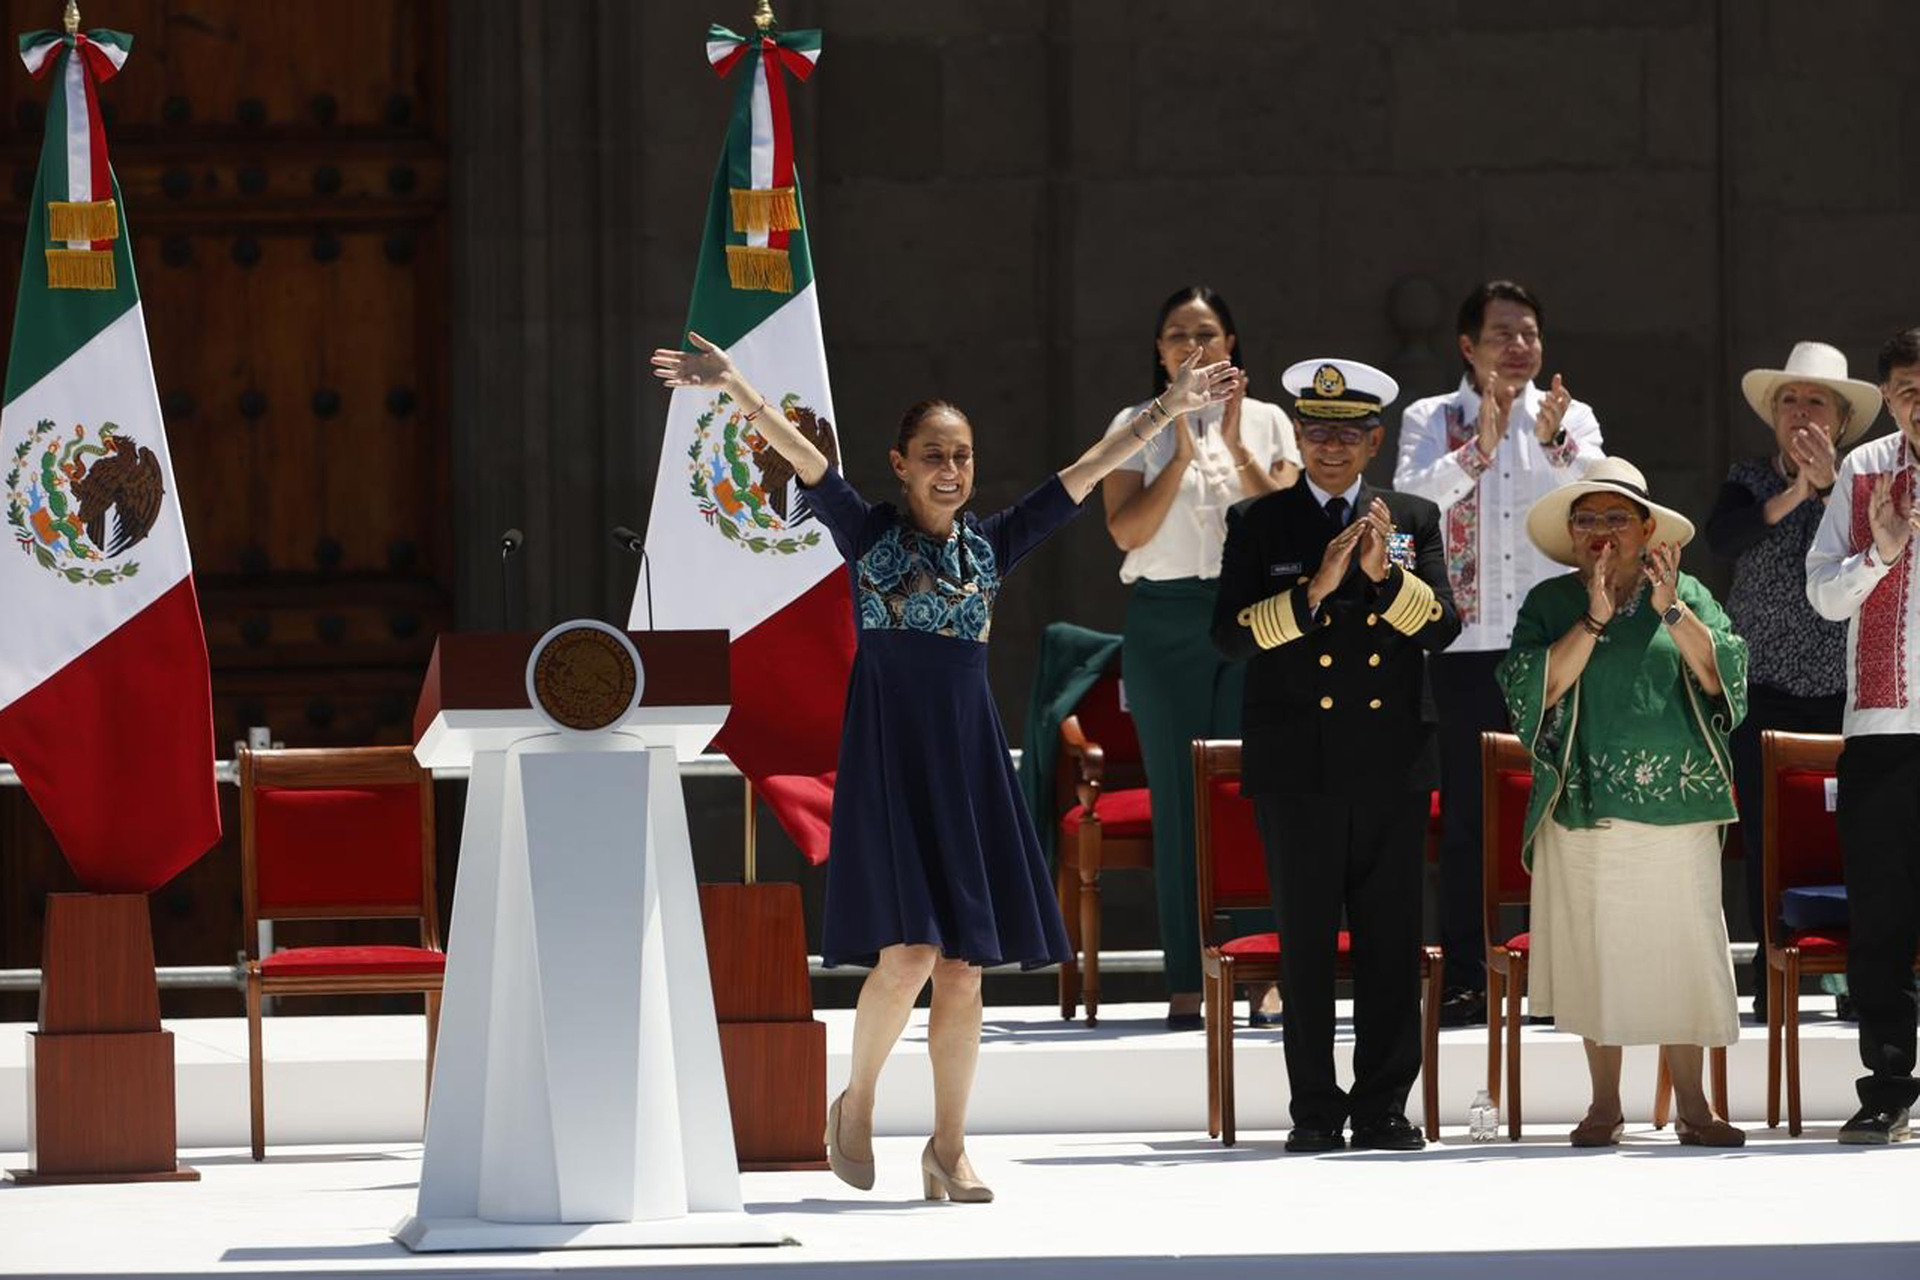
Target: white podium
{"type": "Point", "coordinates": [579, 1099]}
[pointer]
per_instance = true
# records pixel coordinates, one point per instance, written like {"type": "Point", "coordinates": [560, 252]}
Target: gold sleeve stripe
{"type": "Point", "coordinates": [1413, 606]}
{"type": "Point", "coordinates": [1271, 621]}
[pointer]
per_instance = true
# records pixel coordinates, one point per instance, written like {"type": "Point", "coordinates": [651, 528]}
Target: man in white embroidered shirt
{"type": "Point", "coordinates": [1862, 570]}
{"type": "Point", "coordinates": [1484, 453]}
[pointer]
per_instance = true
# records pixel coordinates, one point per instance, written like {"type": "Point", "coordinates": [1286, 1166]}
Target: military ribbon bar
{"type": "Point", "coordinates": [82, 219]}
{"type": "Point", "coordinates": [766, 210]}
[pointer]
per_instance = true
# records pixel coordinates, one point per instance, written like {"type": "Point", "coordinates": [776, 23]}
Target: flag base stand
{"type": "Point", "coordinates": [100, 1105]}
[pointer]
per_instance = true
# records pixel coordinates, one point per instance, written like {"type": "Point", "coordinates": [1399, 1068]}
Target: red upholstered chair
{"type": "Point", "coordinates": [1800, 846]}
{"type": "Point", "coordinates": [1106, 823]}
{"type": "Point", "coordinates": [1506, 787]}
{"type": "Point", "coordinates": [1231, 874]}
{"type": "Point", "coordinates": [329, 835]}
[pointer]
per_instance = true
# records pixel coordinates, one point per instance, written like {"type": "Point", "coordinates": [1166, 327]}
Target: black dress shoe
{"type": "Point", "coordinates": [1871, 1127]}
{"type": "Point", "coordinates": [1309, 1138]}
{"type": "Point", "coordinates": [1389, 1133]}
{"type": "Point", "coordinates": [1186, 1022]}
{"type": "Point", "coordinates": [1463, 1007]}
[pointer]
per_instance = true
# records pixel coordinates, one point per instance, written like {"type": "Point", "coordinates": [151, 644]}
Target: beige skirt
{"type": "Point", "coordinates": [1629, 942]}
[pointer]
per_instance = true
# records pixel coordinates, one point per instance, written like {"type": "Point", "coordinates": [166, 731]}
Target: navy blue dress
{"type": "Point", "coordinates": [931, 840]}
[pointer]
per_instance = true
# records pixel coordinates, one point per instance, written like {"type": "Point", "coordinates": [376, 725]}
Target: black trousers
{"type": "Point", "coordinates": [1470, 703]}
{"type": "Point", "coordinates": [1879, 818]}
{"type": "Point", "coordinates": [1769, 708]}
{"type": "Point", "coordinates": [1360, 854]}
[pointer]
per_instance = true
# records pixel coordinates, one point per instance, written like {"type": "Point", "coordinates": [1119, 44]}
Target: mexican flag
{"type": "Point", "coordinates": [105, 708]}
{"type": "Point", "coordinates": [729, 542]}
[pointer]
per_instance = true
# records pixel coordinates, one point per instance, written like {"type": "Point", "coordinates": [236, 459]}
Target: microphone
{"type": "Point", "coordinates": [627, 540]}
{"type": "Point", "coordinates": [509, 544]}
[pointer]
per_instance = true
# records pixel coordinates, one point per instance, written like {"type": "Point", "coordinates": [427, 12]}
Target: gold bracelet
{"type": "Point", "coordinates": [1156, 407]}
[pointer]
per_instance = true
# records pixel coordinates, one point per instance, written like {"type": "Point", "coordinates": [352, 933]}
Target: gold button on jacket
{"type": "Point", "coordinates": [1326, 704]}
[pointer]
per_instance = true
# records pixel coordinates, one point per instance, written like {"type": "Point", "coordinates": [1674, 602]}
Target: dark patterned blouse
{"type": "Point", "coordinates": [1793, 649]}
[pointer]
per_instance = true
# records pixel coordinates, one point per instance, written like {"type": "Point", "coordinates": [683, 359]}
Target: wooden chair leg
{"type": "Point", "coordinates": [1430, 1042]}
{"type": "Point", "coordinates": [1070, 971]}
{"type": "Point", "coordinates": [256, 1071]}
{"type": "Point", "coordinates": [1775, 1025]}
{"type": "Point", "coordinates": [1790, 1017]}
{"type": "Point", "coordinates": [1516, 986]}
{"type": "Point", "coordinates": [1226, 1054]}
{"type": "Point", "coordinates": [1662, 1091]}
{"type": "Point", "coordinates": [1090, 943]}
{"type": "Point", "coordinates": [1496, 997]}
{"type": "Point", "coordinates": [1718, 1059]}
{"type": "Point", "coordinates": [1210, 996]}
{"type": "Point", "coordinates": [433, 1039]}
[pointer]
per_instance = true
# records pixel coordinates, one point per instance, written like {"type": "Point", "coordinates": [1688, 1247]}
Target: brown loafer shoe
{"type": "Point", "coordinates": [1714, 1133]}
{"type": "Point", "coordinates": [1599, 1133]}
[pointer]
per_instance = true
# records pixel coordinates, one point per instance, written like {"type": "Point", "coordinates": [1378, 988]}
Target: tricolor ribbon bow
{"type": "Point", "coordinates": [766, 210]}
{"type": "Point", "coordinates": [82, 219]}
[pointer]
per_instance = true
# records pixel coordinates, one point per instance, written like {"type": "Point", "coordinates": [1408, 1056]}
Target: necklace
{"type": "Point", "coordinates": [1631, 605]}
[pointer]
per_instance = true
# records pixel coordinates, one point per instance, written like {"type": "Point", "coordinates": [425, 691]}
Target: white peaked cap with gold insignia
{"type": "Point", "coordinates": [1338, 390]}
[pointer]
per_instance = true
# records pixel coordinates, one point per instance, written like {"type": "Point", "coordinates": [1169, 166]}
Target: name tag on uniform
{"type": "Point", "coordinates": [1400, 550]}
{"type": "Point", "coordinates": [1290, 569]}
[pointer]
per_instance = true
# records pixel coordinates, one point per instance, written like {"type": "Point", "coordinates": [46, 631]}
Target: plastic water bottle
{"type": "Point", "coordinates": [1483, 1118]}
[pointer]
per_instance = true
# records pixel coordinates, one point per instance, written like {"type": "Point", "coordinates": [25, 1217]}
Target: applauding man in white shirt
{"type": "Point", "coordinates": [1862, 570]}
{"type": "Point", "coordinates": [1485, 453]}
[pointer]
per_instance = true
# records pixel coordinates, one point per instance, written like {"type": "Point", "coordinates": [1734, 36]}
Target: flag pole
{"type": "Point", "coordinates": [762, 14]}
{"type": "Point", "coordinates": [71, 18]}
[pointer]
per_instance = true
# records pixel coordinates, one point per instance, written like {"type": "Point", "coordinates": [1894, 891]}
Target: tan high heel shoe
{"type": "Point", "coordinates": [857, 1174]}
{"type": "Point", "coordinates": [942, 1185]}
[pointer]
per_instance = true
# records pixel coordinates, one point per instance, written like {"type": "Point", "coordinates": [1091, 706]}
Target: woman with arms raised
{"type": "Point", "coordinates": [935, 870]}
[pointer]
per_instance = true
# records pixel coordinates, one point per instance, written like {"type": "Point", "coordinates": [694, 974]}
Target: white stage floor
{"type": "Point", "coordinates": [333, 1079]}
{"type": "Point", "coordinates": [1078, 1206]}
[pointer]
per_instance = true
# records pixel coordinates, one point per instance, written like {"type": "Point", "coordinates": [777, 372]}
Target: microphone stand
{"type": "Point", "coordinates": [628, 540]}
{"type": "Point", "coordinates": [509, 544]}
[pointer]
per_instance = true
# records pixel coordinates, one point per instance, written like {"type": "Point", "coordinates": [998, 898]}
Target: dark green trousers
{"type": "Point", "coordinates": [1178, 689]}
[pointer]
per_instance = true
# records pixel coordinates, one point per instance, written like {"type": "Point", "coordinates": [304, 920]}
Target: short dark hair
{"type": "Point", "coordinates": [1473, 311]}
{"type": "Point", "coordinates": [1903, 348]}
{"type": "Point", "coordinates": [1179, 298]}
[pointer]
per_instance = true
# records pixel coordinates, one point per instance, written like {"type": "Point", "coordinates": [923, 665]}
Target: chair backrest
{"type": "Point", "coordinates": [1506, 787]}
{"type": "Point", "coordinates": [1230, 862]}
{"type": "Point", "coordinates": [336, 833]}
{"type": "Point", "coordinates": [1104, 721]}
{"type": "Point", "coordinates": [1801, 838]}
{"type": "Point", "coordinates": [1099, 718]}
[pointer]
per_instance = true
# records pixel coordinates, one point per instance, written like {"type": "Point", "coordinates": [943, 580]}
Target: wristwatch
{"type": "Point", "coordinates": [1673, 614]}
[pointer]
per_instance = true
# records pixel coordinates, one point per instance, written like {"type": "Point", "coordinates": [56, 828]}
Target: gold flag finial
{"type": "Point", "coordinates": [71, 20]}
{"type": "Point", "coordinates": [763, 14]}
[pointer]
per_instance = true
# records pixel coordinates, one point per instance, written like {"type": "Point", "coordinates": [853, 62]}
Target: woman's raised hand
{"type": "Point", "coordinates": [707, 367]}
{"type": "Point", "coordinates": [1813, 454]}
{"type": "Point", "coordinates": [1600, 587]}
{"type": "Point", "coordinates": [1662, 567]}
{"type": "Point", "coordinates": [1196, 385]}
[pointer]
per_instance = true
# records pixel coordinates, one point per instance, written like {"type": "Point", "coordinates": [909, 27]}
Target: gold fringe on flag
{"type": "Point", "coordinates": [80, 269]}
{"type": "Point", "coordinates": [764, 209]}
{"type": "Point", "coordinates": [753, 267]}
{"type": "Point", "coordinates": [89, 220]}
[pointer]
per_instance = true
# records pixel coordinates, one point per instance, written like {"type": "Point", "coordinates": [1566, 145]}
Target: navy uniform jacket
{"type": "Point", "coordinates": [1337, 702]}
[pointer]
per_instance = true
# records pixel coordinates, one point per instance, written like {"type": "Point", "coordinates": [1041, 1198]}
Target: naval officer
{"type": "Point", "coordinates": [1334, 592]}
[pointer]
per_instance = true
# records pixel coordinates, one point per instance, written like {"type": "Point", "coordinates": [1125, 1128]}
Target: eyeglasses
{"type": "Point", "coordinates": [1345, 435]}
{"type": "Point", "coordinates": [1600, 522]}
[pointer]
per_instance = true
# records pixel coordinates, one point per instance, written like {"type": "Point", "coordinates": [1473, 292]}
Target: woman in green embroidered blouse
{"type": "Point", "coordinates": [1624, 680]}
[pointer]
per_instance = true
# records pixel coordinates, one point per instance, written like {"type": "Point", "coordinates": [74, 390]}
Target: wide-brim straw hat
{"type": "Point", "coordinates": [1547, 518]}
{"type": "Point", "coordinates": [1819, 363]}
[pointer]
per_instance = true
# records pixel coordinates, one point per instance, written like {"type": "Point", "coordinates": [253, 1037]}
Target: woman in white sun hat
{"type": "Point", "coordinates": [1623, 679]}
{"type": "Point", "coordinates": [1768, 511]}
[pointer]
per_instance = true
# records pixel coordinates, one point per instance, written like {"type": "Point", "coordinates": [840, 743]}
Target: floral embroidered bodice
{"type": "Point", "coordinates": [912, 581]}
